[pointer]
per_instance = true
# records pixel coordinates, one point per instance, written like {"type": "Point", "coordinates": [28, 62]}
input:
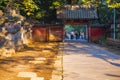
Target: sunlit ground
{"type": "Point", "coordinates": [90, 62]}
{"type": "Point", "coordinates": [38, 61]}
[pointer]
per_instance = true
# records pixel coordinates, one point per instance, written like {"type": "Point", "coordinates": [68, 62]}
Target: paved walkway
{"type": "Point", "coordinates": [44, 61]}
{"type": "Point", "coordinates": [82, 61]}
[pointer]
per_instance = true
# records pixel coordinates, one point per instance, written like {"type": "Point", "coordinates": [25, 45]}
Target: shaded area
{"type": "Point", "coordinates": [89, 62]}
{"type": "Point", "coordinates": [113, 75]}
{"type": "Point", "coordinates": [92, 50]}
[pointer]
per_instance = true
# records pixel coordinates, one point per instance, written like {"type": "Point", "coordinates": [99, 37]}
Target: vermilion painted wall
{"type": "Point", "coordinates": [96, 33]}
{"type": "Point", "coordinates": [48, 33]}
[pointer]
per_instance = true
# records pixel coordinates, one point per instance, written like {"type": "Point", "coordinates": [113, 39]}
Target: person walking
{"type": "Point", "coordinates": [72, 35]}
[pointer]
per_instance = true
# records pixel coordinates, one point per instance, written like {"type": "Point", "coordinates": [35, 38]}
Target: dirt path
{"type": "Point", "coordinates": [39, 61]}
{"type": "Point", "coordinates": [89, 62]}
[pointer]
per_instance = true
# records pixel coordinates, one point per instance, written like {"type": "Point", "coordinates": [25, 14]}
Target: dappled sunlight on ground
{"type": "Point", "coordinates": [36, 62]}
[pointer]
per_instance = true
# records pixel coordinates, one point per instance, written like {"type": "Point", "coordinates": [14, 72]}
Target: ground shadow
{"type": "Point", "coordinates": [113, 75]}
{"type": "Point", "coordinates": [92, 50]}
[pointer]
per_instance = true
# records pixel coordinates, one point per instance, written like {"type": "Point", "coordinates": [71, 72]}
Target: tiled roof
{"type": "Point", "coordinates": [77, 12]}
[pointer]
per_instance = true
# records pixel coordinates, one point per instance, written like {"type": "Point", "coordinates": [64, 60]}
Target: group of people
{"type": "Point", "coordinates": [75, 35]}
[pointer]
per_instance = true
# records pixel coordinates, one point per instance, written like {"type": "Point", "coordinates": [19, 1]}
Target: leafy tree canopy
{"type": "Point", "coordinates": [34, 8]}
{"type": "Point", "coordinates": [27, 6]}
{"type": "Point", "coordinates": [46, 9]}
{"type": "Point", "coordinates": [105, 9]}
{"type": "Point", "coordinates": [109, 3]}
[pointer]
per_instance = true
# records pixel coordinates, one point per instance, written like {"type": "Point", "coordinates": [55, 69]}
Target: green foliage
{"type": "Point", "coordinates": [39, 14]}
{"type": "Point", "coordinates": [114, 5]}
{"type": "Point", "coordinates": [29, 7]}
{"type": "Point", "coordinates": [75, 28]}
{"type": "Point", "coordinates": [26, 6]}
{"type": "Point", "coordinates": [48, 8]}
{"type": "Point", "coordinates": [34, 8]}
{"type": "Point", "coordinates": [3, 4]}
{"type": "Point", "coordinates": [105, 14]}
{"type": "Point", "coordinates": [105, 8]}
{"type": "Point", "coordinates": [56, 4]}
{"type": "Point", "coordinates": [109, 3]}
{"type": "Point", "coordinates": [68, 28]}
